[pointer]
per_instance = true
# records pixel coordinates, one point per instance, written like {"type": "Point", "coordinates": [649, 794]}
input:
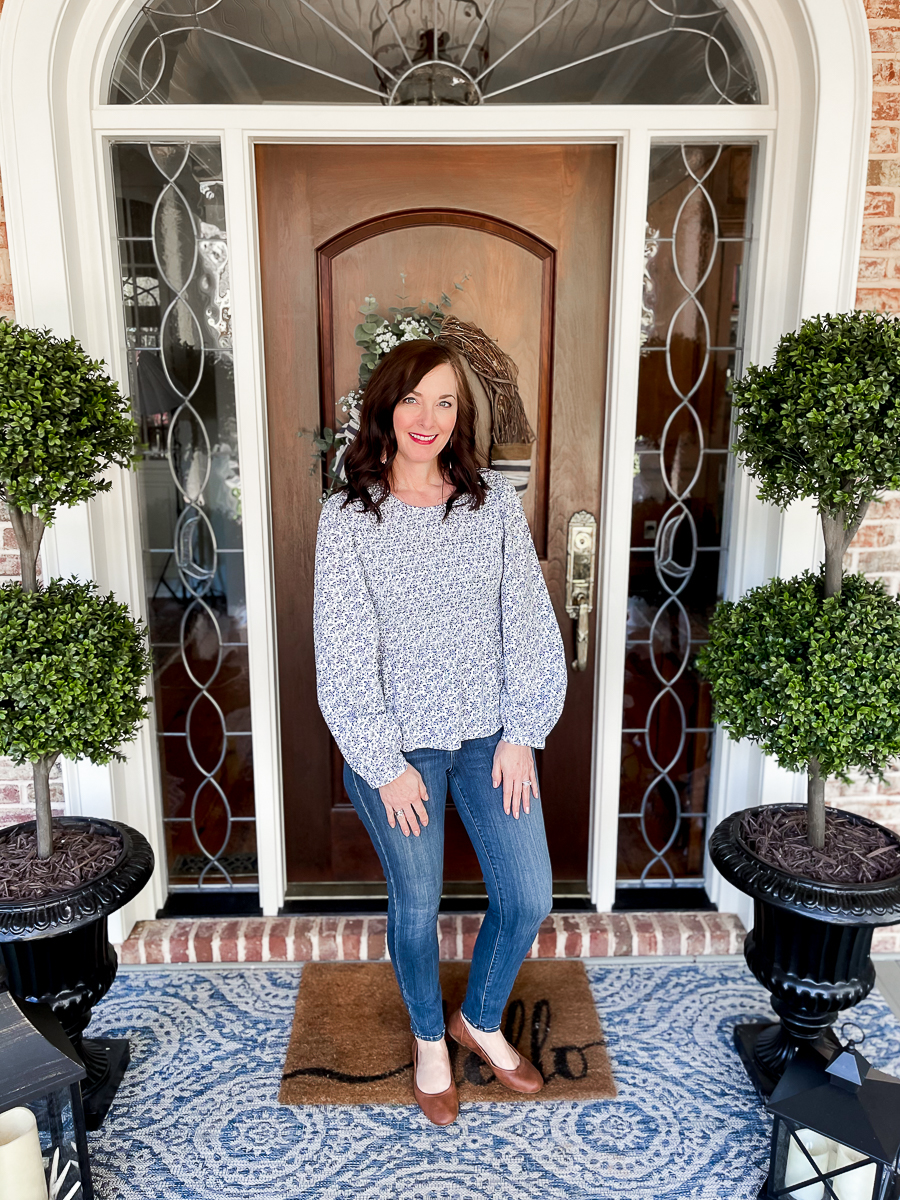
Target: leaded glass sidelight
{"type": "Point", "coordinates": [173, 254]}
{"type": "Point", "coordinates": [433, 52]}
{"type": "Point", "coordinates": [696, 246]}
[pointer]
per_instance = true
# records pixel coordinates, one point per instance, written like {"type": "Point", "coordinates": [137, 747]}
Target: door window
{"type": "Point", "coordinates": [695, 252]}
{"type": "Point", "coordinates": [173, 255]}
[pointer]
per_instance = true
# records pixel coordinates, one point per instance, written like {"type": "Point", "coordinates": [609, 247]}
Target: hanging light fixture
{"type": "Point", "coordinates": [431, 53]}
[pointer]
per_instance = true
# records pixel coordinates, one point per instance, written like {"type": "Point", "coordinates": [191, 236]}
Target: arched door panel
{"type": "Point", "coordinates": [497, 276]}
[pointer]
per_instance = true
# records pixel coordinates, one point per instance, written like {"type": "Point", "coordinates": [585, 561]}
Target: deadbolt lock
{"type": "Point", "coordinates": [580, 580]}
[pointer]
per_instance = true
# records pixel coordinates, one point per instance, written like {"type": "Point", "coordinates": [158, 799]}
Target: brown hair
{"type": "Point", "coordinates": [368, 478]}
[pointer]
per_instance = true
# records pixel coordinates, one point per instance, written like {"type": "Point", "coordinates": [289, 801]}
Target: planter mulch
{"type": "Point", "coordinates": [79, 855]}
{"type": "Point", "coordinates": [854, 852]}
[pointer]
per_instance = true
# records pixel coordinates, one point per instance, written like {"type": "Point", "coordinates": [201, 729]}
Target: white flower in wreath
{"type": "Point", "coordinates": [413, 329]}
{"type": "Point", "coordinates": [376, 340]}
{"type": "Point", "coordinates": [386, 339]}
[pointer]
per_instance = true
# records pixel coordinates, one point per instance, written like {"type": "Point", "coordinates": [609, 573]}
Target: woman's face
{"type": "Point", "coordinates": [424, 416]}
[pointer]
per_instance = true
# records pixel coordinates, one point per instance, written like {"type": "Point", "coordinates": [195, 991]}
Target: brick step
{"type": "Point", "coordinates": [322, 939]}
{"type": "Point", "coordinates": [886, 940]}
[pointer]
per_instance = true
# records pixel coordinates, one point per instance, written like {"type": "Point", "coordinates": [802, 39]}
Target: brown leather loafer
{"type": "Point", "coordinates": [441, 1108]}
{"type": "Point", "coordinates": [522, 1078]}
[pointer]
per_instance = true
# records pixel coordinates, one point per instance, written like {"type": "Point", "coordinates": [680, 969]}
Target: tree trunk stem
{"type": "Point", "coordinates": [815, 806]}
{"type": "Point", "coordinates": [833, 528]}
{"type": "Point", "coordinates": [43, 813]}
{"type": "Point", "coordinates": [29, 529]}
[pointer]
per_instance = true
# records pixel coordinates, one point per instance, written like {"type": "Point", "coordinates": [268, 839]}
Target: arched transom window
{"type": "Point", "coordinates": [462, 52]}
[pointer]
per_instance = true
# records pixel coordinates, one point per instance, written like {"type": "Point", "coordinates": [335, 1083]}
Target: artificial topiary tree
{"type": "Point", "coordinates": [63, 422]}
{"type": "Point", "coordinates": [810, 668]}
{"type": "Point", "coordinates": [72, 669]}
{"type": "Point", "coordinates": [72, 663]}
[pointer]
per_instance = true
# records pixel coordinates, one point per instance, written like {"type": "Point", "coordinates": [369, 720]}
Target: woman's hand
{"type": "Point", "coordinates": [512, 766]}
{"type": "Point", "coordinates": [403, 798]}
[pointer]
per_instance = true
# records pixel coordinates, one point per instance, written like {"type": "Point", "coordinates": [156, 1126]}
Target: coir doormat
{"type": "Point", "coordinates": [350, 1041]}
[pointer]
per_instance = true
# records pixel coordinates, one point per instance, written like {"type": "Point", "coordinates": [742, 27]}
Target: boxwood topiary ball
{"type": "Point", "coordinates": [824, 419]}
{"type": "Point", "coordinates": [73, 665]}
{"type": "Point", "coordinates": [63, 422]}
{"type": "Point", "coordinates": [804, 676]}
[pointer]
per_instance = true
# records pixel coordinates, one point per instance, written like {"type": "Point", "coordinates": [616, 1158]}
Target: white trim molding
{"type": "Point", "coordinates": [811, 132]}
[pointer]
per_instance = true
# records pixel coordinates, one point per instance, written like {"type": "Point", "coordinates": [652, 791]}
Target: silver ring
{"type": "Point", "coordinates": [398, 812]}
{"type": "Point", "coordinates": [526, 783]}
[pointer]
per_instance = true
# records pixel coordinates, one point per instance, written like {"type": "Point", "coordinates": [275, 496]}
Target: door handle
{"type": "Point", "coordinates": [580, 580]}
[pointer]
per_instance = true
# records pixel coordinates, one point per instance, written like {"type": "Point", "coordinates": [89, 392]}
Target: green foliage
{"type": "Point", "coordinates": [808, 677]}
{"type": "Point", "coordinates": [824, 419]}
{"type": "Point", "coordinates": [62, 422]}
{"type": "Point", "coordinates": [376, 335]}
{"type": "Point", "coordinates": [72, 671]}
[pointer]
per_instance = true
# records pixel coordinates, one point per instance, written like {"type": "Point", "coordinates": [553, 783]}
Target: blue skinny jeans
{"type": "Point", "coordinates": [516, 868]}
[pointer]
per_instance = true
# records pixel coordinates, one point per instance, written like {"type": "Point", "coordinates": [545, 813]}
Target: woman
{"type": "Point", "coordinates": [439, 663]}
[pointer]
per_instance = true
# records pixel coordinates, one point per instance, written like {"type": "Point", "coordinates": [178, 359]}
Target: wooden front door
{"type": "Point", "coordinates": [526, 231]}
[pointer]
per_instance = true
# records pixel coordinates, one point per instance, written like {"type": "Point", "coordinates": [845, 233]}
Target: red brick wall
{"type": "Point", "coordinates": [879, 268]}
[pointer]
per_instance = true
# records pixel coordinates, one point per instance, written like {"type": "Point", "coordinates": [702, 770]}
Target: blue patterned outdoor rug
{"type": "Point", "coordinates": [197, 1116]}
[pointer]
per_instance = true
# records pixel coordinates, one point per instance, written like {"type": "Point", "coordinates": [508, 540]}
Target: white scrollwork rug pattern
{"type": "Point", "coordinates": [197, 1115]}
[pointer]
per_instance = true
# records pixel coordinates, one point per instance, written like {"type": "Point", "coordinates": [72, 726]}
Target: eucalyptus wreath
{"type": "Point", "coordinates": [376, 336]}
{"type": "Point", "coordinates": [495, 370]}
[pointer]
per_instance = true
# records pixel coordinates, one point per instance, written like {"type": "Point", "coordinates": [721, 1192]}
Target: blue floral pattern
{"type": "Point", "coordinates": [430, 632]}
{"type": "Point", "coordinates": [197, 1116]}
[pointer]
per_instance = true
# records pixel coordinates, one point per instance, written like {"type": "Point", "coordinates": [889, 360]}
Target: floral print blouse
{"type": "Point", "coordinates": [430, 632]}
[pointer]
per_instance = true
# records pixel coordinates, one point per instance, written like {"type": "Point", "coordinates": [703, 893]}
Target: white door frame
{"type": "Point", "coordinates": [813, 59]}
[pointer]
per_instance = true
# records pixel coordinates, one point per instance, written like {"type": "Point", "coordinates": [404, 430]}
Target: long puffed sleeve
{"type": "Point", "coordinates": [348, 656]}
{"type": "Point", "coordinates": [534, 659]}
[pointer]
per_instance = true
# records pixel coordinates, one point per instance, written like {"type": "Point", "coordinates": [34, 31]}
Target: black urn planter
{"type": "Point", "coordinates": [809, 946]}
{"type": "Point", "coordinates": [56, 951]}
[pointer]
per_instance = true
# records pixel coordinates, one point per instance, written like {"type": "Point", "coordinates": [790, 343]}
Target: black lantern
{"type": "Point", "coordinates": [40, 1086]}
{"type": "Point", "coordinates": [836, 1134]}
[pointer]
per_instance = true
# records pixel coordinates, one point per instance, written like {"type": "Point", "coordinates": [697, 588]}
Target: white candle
{"type": "Point", "coordinates": [21, 1161]}
{"type": "Point", "coordinates": [799, 1167]}
{"type": "Point", "coordinates": [855, 1185]}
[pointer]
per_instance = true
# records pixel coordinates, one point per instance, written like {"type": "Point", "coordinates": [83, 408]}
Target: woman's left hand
{"type": "Point", "coordinates": [513, 765]}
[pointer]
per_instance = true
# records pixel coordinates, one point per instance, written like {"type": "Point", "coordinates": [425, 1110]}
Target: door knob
{"type": "Point", "coordinates": [580, 581]}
